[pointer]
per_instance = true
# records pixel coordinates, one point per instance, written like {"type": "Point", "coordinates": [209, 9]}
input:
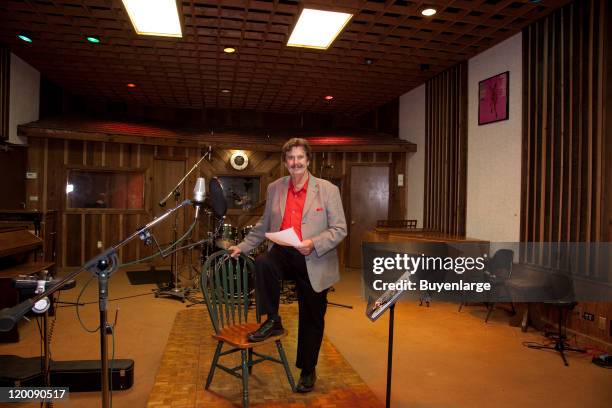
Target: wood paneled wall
{"type": "Point", "coordinates": [608, 123]}
{"type": "Point", "coordinates": [80, 230]}
{"type": "Point", "coordinates": [5, 76]}
{"type": "Point", "coordinates": [446, 151]}
{"type": "Point", "coordinates": [567, 143]}
{"type": "Point", "coordinates": [13, 168]}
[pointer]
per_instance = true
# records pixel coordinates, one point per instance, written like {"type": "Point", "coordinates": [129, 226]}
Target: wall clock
{"type": "Point", "coordinates": [239, 160]}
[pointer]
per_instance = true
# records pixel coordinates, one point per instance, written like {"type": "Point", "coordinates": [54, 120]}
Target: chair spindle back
{"type": "Point", "coordinates": [225, 286]}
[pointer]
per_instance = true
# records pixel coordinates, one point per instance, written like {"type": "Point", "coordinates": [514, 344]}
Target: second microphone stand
{"type": "Point", "coordinates": [174, 289]}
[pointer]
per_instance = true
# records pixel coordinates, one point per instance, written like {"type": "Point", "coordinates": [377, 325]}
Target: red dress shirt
{"type": "Point", "coordinates": [294, 207]}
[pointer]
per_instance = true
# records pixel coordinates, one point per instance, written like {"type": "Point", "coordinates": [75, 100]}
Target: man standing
{"type": "Point", "coordinates": [313, 207]}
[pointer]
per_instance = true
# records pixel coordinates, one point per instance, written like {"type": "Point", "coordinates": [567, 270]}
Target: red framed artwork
{"type": "Point", "coordinates": [493, 96]}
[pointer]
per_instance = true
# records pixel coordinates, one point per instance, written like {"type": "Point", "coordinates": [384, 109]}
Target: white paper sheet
{"type": "Point", "coordinates": [286, 237]}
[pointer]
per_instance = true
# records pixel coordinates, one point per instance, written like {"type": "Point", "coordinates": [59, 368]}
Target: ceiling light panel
{"type": "Point", "coordinates": [317, 28]}
{"type": "Point", "coordinates": [154, 17]}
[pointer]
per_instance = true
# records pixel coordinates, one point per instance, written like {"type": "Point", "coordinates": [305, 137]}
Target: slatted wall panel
{"type": "Point", "coordinates": [567, 148]}
{"type": "Point", "coordinates": [446, 151]}
{"type": "Point", "coordinates": [5, 71]}
{"type": "Point", "coordinates": [564, 141]}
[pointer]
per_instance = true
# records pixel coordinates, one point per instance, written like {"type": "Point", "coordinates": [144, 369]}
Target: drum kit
{"type": "Point", "coordinates": [227, 236]}
{"type": "Point", "coordinates": [222, 237]}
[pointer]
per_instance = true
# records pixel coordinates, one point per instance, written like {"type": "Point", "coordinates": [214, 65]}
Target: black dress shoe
{"type": "Point", "coordinates": [306, 382]}
{"type": "Point", "coordinates": [268, 328]}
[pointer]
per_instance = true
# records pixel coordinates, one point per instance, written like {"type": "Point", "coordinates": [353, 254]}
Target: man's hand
{"type": "Point", "coordinates": [306, 247]}
{"type": "Point", "coordinates": [234, 251]}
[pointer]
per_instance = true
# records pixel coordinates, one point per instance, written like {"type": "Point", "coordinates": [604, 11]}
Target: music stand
{"type": "Point", "coordinates": [374, 310]}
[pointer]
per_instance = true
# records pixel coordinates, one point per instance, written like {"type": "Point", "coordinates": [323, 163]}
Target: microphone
{"type": "Point", "coordinates": [10, 317]}
{"type": "Point", "coordinates": [199, 194]}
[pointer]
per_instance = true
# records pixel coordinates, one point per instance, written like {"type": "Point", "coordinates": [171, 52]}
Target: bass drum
{"type": "Point", "coordinates": [263, 247]}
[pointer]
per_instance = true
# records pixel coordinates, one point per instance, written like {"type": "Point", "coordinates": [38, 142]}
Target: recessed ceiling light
{"type": "Point", "coordinates": [368, 61]}
{"type": "Point", "coordinates": [317, 28]}
{"type": "Point", "coordinates": [131, 85]}
{"type": "Point", "coordinates": [154, 17]}
{"type": "Point", "coordinates": [92, 39]}
{"type": "Point", "coordinates": [329, 97]}
{"type": "Point", "coordinates": [25, 37]}
{"type": "Point", "coordinates": [428, 12]}
{"type": "Point", "coordinates": [229, 50]}
{"type": "Point", "coordinates": [225, 91]}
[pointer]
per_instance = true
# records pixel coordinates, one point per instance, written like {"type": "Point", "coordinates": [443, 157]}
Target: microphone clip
{"type": "Point", "coordinates": [146, 236]}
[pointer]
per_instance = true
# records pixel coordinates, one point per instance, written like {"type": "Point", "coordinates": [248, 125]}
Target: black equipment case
{"type": "Point", "coordinates": [78, 376]}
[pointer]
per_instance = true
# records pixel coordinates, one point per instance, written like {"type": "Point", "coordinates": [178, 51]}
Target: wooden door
{"type": "Point", "coordinates": [166, 173]}
{"type": "Point", "coordinates": [369, 202]}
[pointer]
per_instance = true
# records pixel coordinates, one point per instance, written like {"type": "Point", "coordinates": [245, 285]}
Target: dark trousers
{"type": "Point", "coordinates": [287, 263]}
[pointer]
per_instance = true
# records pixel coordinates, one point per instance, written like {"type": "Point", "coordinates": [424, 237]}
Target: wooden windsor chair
{"type": "Point", "coordinates": [225, 285]}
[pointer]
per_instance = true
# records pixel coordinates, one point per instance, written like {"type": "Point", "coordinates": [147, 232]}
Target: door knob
{"type": "Point", "coordinates": [352, 222]}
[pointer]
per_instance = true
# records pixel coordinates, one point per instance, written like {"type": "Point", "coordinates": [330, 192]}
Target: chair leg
{"type": "Point", "coordinates": [250, 352]}
{"type": "Point", "coordinates": [245, 379]}
{"type": "Point", "coordinates": [283, 357]}
{"type": "Point", "coordinates": [489, 311]}
{"type": "Point", "coordinates": [211, 372]}
{"type": "Point", "coordinates": [461, 306]}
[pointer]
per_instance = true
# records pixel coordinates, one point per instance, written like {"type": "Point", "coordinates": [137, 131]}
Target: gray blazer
{"type": "Point", "coordinates": [322, 221]}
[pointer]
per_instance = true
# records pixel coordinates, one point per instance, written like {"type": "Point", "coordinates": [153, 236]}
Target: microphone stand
{"type": "Point", "coordinates": [175, 290]}
{"type": "Point", "coordinates": [102, 266]}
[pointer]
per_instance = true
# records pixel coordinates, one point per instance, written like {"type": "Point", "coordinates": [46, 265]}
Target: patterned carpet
{"type": "Point", "coordinates": [180, 380]}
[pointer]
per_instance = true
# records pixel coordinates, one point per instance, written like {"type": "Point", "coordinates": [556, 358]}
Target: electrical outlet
{"type": "Point", "coordinates": [588, 316]}
{"type": "Point", "coordinates": [99, 244]}
{"type": "Point", "coordinates": [601, 323]}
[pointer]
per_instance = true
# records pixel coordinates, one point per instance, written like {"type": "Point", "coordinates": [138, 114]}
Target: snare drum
{"type": "Point", "coordinates": [229, 236]}
{"type": "Point", "coordinates": [263, 247]}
